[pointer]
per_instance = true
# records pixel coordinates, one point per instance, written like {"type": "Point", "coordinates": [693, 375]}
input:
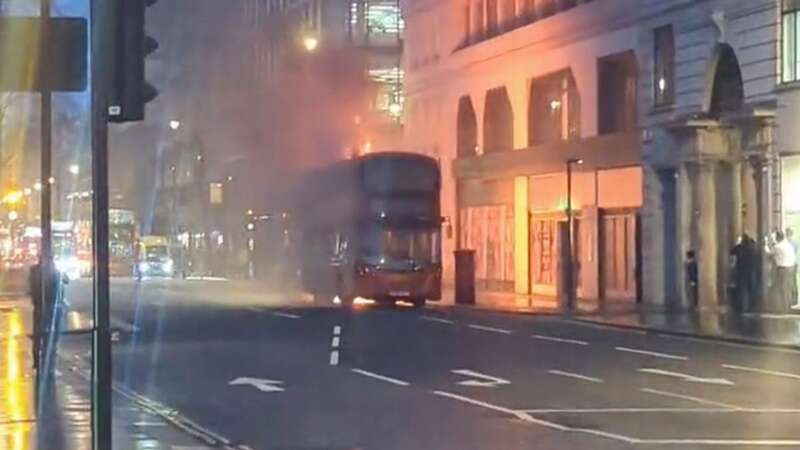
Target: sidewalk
{"type": "Point", "coordinates": [65, 420]}
{"type": "Point", "coordinates": [780, 330]}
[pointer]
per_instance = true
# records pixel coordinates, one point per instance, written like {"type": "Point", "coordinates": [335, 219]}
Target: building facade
{"type": "Point", "coordinates": [719, 109]}
{"type": "Point", "coordinates": [524, 101]}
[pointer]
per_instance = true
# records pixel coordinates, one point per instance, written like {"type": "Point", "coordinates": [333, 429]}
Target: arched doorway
{"type": "Point", "coordinates": [727, 91]}
{"type": "Point", "coordinates": [498, 122]}
{"type": "Point", "coordinates": [467, 128]}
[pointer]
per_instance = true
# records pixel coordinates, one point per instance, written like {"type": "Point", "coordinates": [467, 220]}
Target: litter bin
{"type": "Point", "coordinates": [465, 277]}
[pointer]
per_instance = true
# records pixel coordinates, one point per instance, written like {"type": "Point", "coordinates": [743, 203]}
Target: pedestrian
{"type": "Point", "coordinates": [785, 260]}
{"type": "Point", "coordinates": [796, 246]}
{"type": "Point", "coordinates": [691, 278]}
{"type": "Point", "coordinates": [745, 271]}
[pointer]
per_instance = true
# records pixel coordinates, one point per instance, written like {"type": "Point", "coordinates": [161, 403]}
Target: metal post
{"type": "Point", "coordinates": [103, 33]}
{"type": "Point", "coordinates": [46, 250]}
{"type": "Point", "coordinates": [569, 273]}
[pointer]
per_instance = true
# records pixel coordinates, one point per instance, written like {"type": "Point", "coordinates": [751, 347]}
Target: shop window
{"type": "Point", "coordinates": [664, 66]}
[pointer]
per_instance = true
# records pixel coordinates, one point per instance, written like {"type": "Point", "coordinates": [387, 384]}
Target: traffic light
{"type": "Point", "coordinates": [130, 91]}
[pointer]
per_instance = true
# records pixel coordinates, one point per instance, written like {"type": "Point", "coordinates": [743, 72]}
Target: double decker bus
{"type": "Point", "coordinates": [123, 239]}
{"type": "Point", "coordinates": [371, 228]}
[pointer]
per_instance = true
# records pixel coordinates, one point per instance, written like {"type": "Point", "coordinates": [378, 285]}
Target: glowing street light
{"type": "Point", "coordinates": [74, 169]}
{"type": "Point", "coordinates": [395, 109]}
{"type": "Point", "coordinates": [37, 186]}
{"type": "Point", "coordinates": [27, 192]}
{"type": "Point", "coordinates": [310, 43]}
{"type": "Point", "coordinates": [174, 124]}
{"type": "Point", "coordinates": [13, 215]}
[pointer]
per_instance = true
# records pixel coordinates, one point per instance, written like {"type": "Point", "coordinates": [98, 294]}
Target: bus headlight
{"type": "Point", "coordinates": [144, 266]}
{"type": "Point", "coordinates": [168, 265]}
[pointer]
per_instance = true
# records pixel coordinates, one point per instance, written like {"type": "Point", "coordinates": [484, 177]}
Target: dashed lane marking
{"type": "Point", "coordinates": [662, 410]}
{"type": "Point", "coordinates": [376, 376]}
{"type": "Point", "coordinates": [558, 339]}
{"type": "Point", "coordinates": [690, 398]}
{"type": "Point", "coordinates": [576, 376]}
{"type": "Point", "coordinates": [335, 342]}
{"type": "Point", "coordinates": [437, 319]}
{"type": "Point", "coordinates": [491, 329]}
{"type": "Point", "coordinates": [287, 315]}
{"type": "Point", "coordinates": [762, 371]}
{"type": "Point", "coordinates": [649, 353]}
{"type": "Point", "coordinates": [334, 361]}
{"type": "Point", "coordinates": [337, 330]}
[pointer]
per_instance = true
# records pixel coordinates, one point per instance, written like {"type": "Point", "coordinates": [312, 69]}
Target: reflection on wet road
{"type": "Point", "coordinates": [16, 383]}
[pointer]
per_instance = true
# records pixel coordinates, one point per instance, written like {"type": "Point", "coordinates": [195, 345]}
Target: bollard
{"type": "Point", "coordinates": [465, 277]}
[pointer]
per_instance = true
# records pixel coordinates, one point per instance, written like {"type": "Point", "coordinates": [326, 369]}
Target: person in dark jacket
{"type": "Point", "coordinates": [745, 272]}
{"type": "Point", "coordinates": [691, 278]}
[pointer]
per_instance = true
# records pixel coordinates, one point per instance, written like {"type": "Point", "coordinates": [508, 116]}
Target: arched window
{"type": "Point", "coordinates": [498, 122]}
{"type": "Point", "coordinates": [554, 109]}
{"type": "Point", "coordinates": [727, 93]}
{"type": "Point", "coordinates": [467, 128]}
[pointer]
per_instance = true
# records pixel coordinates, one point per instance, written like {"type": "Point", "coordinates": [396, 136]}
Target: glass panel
{"type": "Point", "coordinates": [789, 47]}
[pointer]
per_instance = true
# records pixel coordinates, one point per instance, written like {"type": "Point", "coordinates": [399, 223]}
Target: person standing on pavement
{"type": "Point", "coordinates": [783, 255]}
{"type": "Point", "coordinates": [796, 246]}
{"type": "Point", "coordinates": [691, 278]}
{"type": "Point", "coordinates": [745, 270]}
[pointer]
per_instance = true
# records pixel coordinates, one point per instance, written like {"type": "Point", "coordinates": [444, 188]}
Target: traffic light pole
{"type": "Point", "coordinates": [104, 15]}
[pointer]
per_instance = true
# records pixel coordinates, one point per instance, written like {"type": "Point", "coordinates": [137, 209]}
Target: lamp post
{"type": "Point", "coordinates": [569, 272]}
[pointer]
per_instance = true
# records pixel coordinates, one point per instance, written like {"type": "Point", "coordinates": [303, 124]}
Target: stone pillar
{"type": "Point", "coordinates": [704, 233]}
{"type": "Point", "coordinates": [522, 272]}
{"type": "Point", "coordinates": [760, 170]}
{"type": "Point", "coordinates": [686, 236]}
{"type": "Point", "coordinates": [737, 200]}
{"type": "Point", "coordinates": [749, 200]}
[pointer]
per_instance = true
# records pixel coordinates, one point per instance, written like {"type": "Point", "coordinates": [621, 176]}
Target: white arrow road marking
{"type": "Point", "coordinates": [687, 377]}
{"type": "Point", "coordinates": [483, 380]}
{"type": "Point", "coordinates": [262, 384]}
{"type": "Point", "coordinates": [437, 319]}
{"type": "Point", "coordinates": [286, 315]}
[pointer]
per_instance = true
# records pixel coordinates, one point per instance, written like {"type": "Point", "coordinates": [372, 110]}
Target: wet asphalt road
{"type": "Point", "coordinates": [272, 372]}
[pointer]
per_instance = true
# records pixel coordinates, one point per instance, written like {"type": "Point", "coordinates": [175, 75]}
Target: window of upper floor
{"type": "Point", "coordinates": [663, 66]}
{"type": "Point", "coordinates": [617, 86]}
{"type": "Point", "coordinates": [554, 109]}
{"type": "Point", "coordinates": [790, 40]}
{"type": "Point", "coordinates": [484, 19]}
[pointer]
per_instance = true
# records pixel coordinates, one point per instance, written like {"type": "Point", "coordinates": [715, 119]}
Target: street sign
{"type": "Point", "coordinates": [261, 384]}
{"type": "Point", "coordinates": [23, 70]}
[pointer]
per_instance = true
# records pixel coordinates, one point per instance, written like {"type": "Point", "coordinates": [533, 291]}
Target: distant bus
{"type": "Point", "coordinates": [122, 241]}
{"type": "Point", "coordinates": [371, 227]}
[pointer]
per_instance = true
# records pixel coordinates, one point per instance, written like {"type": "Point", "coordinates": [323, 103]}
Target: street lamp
{"type": "Point", "coordinates": [310, 43]}
{"type": "Point", "coordinates": [74, 169]}
{"type": "Point", "coordinates": [570, 253]}
{"type": "Point", "coordinates": [37, 186]}
{"type": "Point", "coordinates": [174, 124]}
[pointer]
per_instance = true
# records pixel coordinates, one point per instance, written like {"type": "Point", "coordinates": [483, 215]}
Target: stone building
{"type": "Point", "coordinates": [719, 107]}
{"type": "Point", "coordinates": [509, 94]}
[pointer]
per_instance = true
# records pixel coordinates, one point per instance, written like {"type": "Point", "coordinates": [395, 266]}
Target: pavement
{"type": "Point", "coordinates": [264, 370]}
{"type": "Point", "coordinates": [63, 422]}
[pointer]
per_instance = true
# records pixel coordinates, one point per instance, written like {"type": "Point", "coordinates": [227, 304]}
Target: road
{"type": "Point", "coordinates": [269, 372]}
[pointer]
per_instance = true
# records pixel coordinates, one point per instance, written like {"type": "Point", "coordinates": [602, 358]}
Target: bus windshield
{"type": "Point", "coordinates": [156, 252]}
{"type": "Point", "coordinates": [385, 246]}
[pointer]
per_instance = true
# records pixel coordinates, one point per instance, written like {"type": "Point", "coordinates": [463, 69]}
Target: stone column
{"type": "Point", "coordinates": [760, 171]}
{"type": "Point", "coordinates": [749, 200]}
{"type": "Point", "coordinates": [686, 236]}
{"type": "Point", "coordinates": [737, 199]}
{"type": "Point", "coordinates": [705, 233]}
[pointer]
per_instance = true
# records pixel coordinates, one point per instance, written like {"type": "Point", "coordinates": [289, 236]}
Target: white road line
{"type": "Point", "coordinates": [525, 417]}
{"type": "Point", "coordinates": [576, 376]}
{"type": "Point", "coordinates": [649, 353]}
{"type": "Point", "coordinates": [557, 339]}
{"type": "Point", "coordinates": [687, 377]}
{"type": "Point", "coordinates": [762, 371]}
{"type": "Point", "coordinates": [629, 410]}
{"type": "Point", "coordinates": [722, 442]}
{"type": "Point", "coordinates": [287, 315]}
{"type": "Point", "coordinates": [334, 358]}
{"type": "Point", "coordinates": [492, 329]}
{"type": "Point", "coordinates": [337, 330]}
{"type": "Point", "coordinates": [376, 376]}
{"type": "Point", "coordinates": [254, 309]}
{"type": "Point", "coordinates": [437, 319]}
{"type": "Point", "coordinates": [701, 401]}
{"type": "Point", "coordinates": [335, 342]}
